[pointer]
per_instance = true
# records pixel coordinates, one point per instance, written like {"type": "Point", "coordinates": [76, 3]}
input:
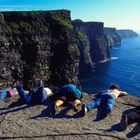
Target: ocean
{"type": "Point", "coordinates": [123, 69]}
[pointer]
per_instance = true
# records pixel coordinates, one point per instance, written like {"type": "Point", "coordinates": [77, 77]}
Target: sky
{"type": "Point", "coordinates": [122, 14]}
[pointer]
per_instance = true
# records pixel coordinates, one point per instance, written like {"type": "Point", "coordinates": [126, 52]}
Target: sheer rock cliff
{"type": "Point", "coordinates": [127, 33]}
{"type": "Point", "coordinates": [38, 45]}
{"type": "Point", "coordinates": [113, 37]}
{"type": "Point", "coordinates": [92, 43]}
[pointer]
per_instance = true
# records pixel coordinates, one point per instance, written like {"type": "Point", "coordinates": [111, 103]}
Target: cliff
{"type": "Point", "coordinates": [113, 38]}
{"type": "Point", "coordinates": [127, 33]}
{"type": "Point", "coordinates": [21, 121]}
{"type": "Point", "coordinates": [92, 44]}
{"type": "Point", "coordinates": [38, 45]}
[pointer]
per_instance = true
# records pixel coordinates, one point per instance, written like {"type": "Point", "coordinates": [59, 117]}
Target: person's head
{"type": "Point", "coordinates": [114, 86]}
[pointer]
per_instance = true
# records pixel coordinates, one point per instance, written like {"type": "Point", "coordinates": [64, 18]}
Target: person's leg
{"type": "Point", "coordinates": [60, 101]}
{"type": "Point", "coordinates": [57, 103]}
{"type": "Point", "coordinates": [73, 104]}
{"type": "Point", "coordinates": [25, 98]}
{"type": "Point", "coordinates": [129, 118]}
{"type": "Point", "coordinates": [77, 102]}
{"type": "Point", "coordinates": [42, 94]}
{"type": "Point", "coordinates": [108, 102]}
{"type": "Point", "coordinates": [96, 102]}
{"type": "Point", "coordinates": [133, 116]}
{"type": "Point", "coordinates": [90, 106]}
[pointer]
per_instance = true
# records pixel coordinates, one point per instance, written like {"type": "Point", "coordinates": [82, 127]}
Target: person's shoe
{"type": "Point", "coordinates": [123, 123]}
{"type": "Point", "coordinates": [72, 106]}
{"type": "Point", "coordinates": [84, 110]}
{"type": "Point", "coordinates": [53, 111]}
{"type": "Point", "coordinates": [39, 83]}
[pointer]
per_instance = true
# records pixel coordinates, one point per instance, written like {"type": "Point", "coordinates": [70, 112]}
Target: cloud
{"type": "Point", "coordinates": [16, 8]}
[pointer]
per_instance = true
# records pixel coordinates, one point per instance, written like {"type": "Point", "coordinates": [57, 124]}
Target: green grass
{"type": "Point", "coordinates": [64, 22]}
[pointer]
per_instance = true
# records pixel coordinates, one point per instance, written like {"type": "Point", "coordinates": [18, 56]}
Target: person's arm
{"type": "Point", "coordinates": [122, 93]}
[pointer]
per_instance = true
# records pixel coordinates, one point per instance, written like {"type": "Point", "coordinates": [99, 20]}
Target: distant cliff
{"type": "Point", "coordinates": [127, 33]}
{"type": "Point", "coordinates": [38, 45]}
{"type": "Point", "coordinates": [92, 43]}
{"type": "Point", "coordinates": [113, 38]}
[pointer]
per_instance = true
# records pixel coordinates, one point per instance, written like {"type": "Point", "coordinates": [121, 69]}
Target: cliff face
{"type": "Point", "coordinates": [127, 33]}
{"type": "Point", "coordinates": [92, 43]}
{"type": "Point", "coordinates": [38, 45]}
{"type": "Point", "coordinates": [113, 37]}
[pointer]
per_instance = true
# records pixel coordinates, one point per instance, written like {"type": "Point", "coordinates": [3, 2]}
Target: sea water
{"type": "Point", "coordinates": [123, 69]}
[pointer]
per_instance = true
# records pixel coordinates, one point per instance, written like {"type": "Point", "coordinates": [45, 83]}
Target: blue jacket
{"type": "Point", "coordinates": [70, 88]}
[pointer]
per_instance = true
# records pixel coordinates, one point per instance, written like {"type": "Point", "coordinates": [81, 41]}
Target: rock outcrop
{"type": "Point", "coordinates": [113, 38]}
{"type": "Point", "coordinates": [92, 43]}
{"type": "Point", "coordinates": [127, 33]}
{"type": "Point", "coordinates": [38, 45]}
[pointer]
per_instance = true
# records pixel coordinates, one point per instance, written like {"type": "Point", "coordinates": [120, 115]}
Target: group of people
{"type": "Point", "coordinates": [70, 95]}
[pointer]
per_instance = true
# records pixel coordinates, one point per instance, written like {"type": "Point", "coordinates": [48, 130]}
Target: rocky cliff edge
{"type": "Point", "coordinates": [21, 121]}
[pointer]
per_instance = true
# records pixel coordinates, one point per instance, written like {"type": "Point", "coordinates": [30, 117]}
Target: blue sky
{"type": "Point", "coordinates": [122, 14]}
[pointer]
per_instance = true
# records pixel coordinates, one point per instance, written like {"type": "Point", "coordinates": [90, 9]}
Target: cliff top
{"type": "Point", "coordinates": [109, 30]}
{"type": "Point", "coordinates": [93, 22]}
{"type": "Point", "coordinates": [20, 121]}
{"type": "Point", "coordinates": [61, 10]}
{"type": "Point", "coordinates": [126, 33]}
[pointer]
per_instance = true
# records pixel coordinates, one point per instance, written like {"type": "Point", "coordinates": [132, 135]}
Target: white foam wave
{"type": "Point", "coordinates": [115, 48]}
{"type": "Point", "coordinates": [112, 58]}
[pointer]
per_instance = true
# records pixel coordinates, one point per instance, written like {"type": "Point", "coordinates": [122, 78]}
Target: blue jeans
{"type": "Point", "coordinates": [106, 100]}
{"type": "Point", "coordinates": [36, 95]}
